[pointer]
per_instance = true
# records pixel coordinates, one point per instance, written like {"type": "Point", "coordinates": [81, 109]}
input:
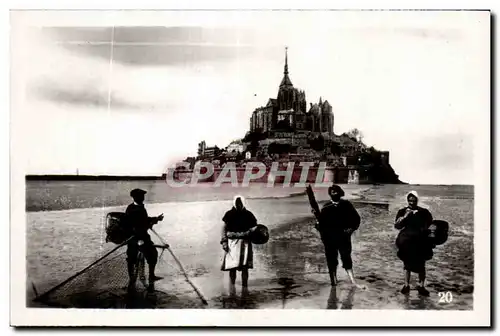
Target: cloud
{"type": "Point", "coordinates": [88, 97]}
{"type": "Point", "coordinates": [156, 46]}
{"type": "Point", "coordinates": [158, 34]}
{"type": "Point", "coordinates": [67, 34]}
{"type": "Point", "coordinates": [161, 55]}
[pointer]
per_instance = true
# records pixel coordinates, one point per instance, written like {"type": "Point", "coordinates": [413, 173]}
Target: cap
{"type": "Point", "coordinates": [137, 192]}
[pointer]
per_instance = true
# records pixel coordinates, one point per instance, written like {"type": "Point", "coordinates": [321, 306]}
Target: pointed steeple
{"type": "Point", "coordinates": [286, 61]}
{"type": "Point", "coordinates": [286, 80]}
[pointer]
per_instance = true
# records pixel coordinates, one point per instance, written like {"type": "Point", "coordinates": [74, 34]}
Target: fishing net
{"type": "Point", "coordinates": [104, 283]}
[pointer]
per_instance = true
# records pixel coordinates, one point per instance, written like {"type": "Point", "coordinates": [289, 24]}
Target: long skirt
{"type": "Point", "coordinates": [240, 255]}
{"type": "Point", "coordinates": [414, 252]}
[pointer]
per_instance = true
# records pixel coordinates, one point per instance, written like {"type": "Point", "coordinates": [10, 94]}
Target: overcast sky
{"type": "Point", "coordinates": [133, 99]}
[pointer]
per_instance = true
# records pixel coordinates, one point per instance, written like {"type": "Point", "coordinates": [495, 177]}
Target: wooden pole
{"type": "Point", "coordinates": [202, 298]}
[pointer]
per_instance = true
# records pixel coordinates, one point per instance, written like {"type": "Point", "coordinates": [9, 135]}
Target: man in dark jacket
{"type": "Point", "coordinates": [337, 220]}
{"type": "Point", "coordinates": [140, 223]}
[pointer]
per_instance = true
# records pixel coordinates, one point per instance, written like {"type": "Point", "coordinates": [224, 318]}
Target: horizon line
{"type": "Point", "coordinates": [81, 176]}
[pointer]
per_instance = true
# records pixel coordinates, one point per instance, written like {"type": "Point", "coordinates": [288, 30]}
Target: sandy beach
{"type": "Point", "coordinates": [290, 270]}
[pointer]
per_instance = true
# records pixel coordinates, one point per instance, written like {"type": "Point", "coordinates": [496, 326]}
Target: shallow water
{"type": "Point", "coordinates": [290, 270]}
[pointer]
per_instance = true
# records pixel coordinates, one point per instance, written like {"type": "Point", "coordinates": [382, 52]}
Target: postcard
{"type": "Point", "coordinates": [250, 168]}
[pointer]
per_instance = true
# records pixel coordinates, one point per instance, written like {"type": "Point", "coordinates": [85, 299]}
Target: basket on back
{"type": "Point", "coordinates": [118, 229]}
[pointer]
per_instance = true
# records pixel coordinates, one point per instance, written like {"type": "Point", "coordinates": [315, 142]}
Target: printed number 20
{"type": "Point", "coordinates": [445, 297]}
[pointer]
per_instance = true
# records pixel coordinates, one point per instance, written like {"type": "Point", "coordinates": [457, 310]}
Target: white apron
{"type": "Point", "coordinates": [240, 255]}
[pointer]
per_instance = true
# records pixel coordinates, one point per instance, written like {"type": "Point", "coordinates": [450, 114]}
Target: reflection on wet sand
{"type": "Point", "coordinates": [124, 299]}
{"type": "Point", "coordinates": [284, 257]}
{"type": "Point", "coordinates": [346, 303]}
{"type": "Point", "coordinates": [289, 259]}
{"type": "Point", "coordinates": [252, 297]}
{"type": "Point", "coordinates": [245, 300]}
{"type": "Point", "coordinates": [421, 302]}
{"type": "Point", "coordinates": [288, 285]}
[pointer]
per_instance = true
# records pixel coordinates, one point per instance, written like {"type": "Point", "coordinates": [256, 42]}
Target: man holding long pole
{"type": "Point", "coordinates": [140, 223]}
{"type": "Point", "coordinates": [337, 220]}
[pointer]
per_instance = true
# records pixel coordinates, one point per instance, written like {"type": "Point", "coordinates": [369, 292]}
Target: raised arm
{"type": "Point", "coordinates": [153, 220]}
{"type": "Point", "coordinates": [401, 217]}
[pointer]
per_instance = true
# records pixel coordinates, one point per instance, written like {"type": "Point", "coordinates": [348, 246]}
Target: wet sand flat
{"type": "Point", "coordinates": [290, 270]}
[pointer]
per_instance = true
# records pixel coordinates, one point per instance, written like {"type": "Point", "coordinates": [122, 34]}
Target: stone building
{"type": "Point", "coordinates": [288, 111]}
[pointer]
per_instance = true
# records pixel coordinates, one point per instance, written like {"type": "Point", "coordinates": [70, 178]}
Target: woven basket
{"type": "Point", "coordinates": [260, 235]}
{"type": "Point", "coordinates": [117, 230]}
{"type": "Point", "coordinates": [439, 232]}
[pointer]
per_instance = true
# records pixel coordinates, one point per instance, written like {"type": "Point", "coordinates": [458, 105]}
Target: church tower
{"type": "Point", "coordinates": [286, 90]}
{"type": "Point", "coordinates": [326, 117]}
{"type": "Point", "coordinates": [291, 102]}
{"type": "Point", "coordinates": [286, 82]}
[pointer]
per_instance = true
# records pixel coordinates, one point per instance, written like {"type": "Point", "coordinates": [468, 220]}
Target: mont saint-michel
{"type": "Point", "coordinates": [287, 132]}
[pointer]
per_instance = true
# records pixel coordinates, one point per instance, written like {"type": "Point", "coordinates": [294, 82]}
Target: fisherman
{"type": "Point", "coordinates": [337, 220]}
{"type": "Point", "coordinates": [140, 223]}
{"type": "Point", "coordinates": [413, 243]}
{"type": "Point", "coordinates": [239, 223]}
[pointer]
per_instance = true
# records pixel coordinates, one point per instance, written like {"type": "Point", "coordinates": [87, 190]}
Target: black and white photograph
{"type": "Point", "coordinates": [250, 168]}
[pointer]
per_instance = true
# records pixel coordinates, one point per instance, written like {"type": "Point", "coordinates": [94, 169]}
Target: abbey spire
{"type": "Point", "coordinates": [286, 61]}
{"type": "Point", "coordinates": [288, 111]}
{"type": "Point", "coordinates": [286, 80]}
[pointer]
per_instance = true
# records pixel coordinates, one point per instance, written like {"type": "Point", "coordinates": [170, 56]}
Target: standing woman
{"type": "Point", "coordinates": [414, 246]}
{"type": "Point", "coordinates": [239, 223]}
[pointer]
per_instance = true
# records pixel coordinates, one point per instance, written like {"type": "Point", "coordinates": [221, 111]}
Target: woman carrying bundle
{"type": "Point", "coordinates": [413, 243]}
{"type": "Point", "coordinates": [239, 223]}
